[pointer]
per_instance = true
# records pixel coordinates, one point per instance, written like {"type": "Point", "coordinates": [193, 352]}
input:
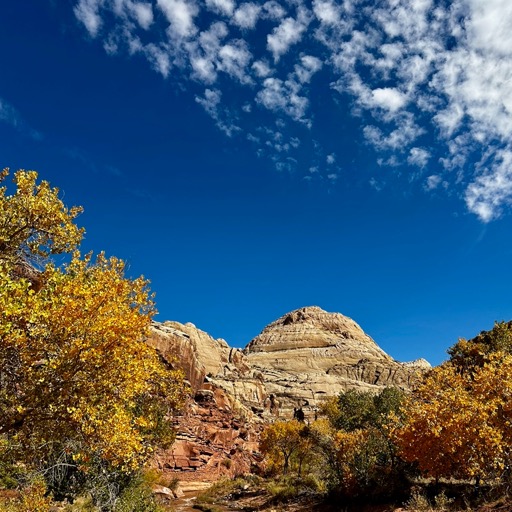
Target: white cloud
{"type": "Point", "coordinates": [143, 12]}
{"type": "Point", "coordinates": [234, 60]}
{"type": "Point", "coordinates": [180, 14]}
{"type": "Point", "coordinates": [159, 59]}
{"type": "Point", "coordinates": [489, 28]}
{"type": "Point", "coordinates": [418, 157]}
{"type": "Point", "coordinates": [203, 69]}
{"type": "Point", "coordinates": [225, 7]}
{"type": "Point", "coordinates": [262, 69]}
{"type": "Point", "coordinates": [326, 12]}
{"type": "Point", "coordinates": [397, 139]}
{"type": "Point", "coordinates": [274, 10]}
{"type": "Point", "coordinates": [433, 182]}
{"type": "Point", "coordinates": [283, 96]}
{"type": "Point", "coordinates": [416, 73]}
{"type": "Point", "coordinates": [309, 65]}
{"type": "Point", "coordinates": [491, 191]}
{"type": "Point", "coordinates": [389, 98]}
{"type": "Point", "coordinates": [87, 12]}
{"type": "Point", "coordinates": [288, 33]}
{"type": "Point", "coordinates": [211, 102]}
{"type": "Point", "coordinates": [246, 16]}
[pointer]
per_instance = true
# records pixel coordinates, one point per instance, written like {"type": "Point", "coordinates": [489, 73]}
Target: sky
{"type": "Point", "coordinates": [254, 157]}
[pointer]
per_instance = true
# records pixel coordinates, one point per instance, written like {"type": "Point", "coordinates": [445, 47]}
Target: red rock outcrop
{"type": "Point", "coordinates": [213, 440]}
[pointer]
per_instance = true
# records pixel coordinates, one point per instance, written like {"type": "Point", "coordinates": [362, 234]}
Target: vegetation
{"type": "Point", "coordinates": [84, 400]}
{"type": "Point", "coordinates": [459, 422]}
{"type": "Point", "coordinates": [81, 394]}
{"type": "Point", "coordinates": [348, 451]}
{"type": "Point", "coordinates": [449, 441]}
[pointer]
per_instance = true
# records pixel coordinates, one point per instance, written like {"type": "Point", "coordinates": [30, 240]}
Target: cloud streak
{"type": "Point", "coordinates": [429, 81]}
{"type": "Point", "coordinates": [10, 116]}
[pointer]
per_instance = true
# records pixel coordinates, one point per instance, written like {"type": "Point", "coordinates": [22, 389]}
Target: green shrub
{"type": "Point", "coordinates": [137, 497]}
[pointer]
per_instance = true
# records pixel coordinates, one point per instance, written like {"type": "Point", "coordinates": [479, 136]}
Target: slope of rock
{"type": "Point", "coordinates": [213, 441]}
{"type": "Point", "coordinates": [309, 354]}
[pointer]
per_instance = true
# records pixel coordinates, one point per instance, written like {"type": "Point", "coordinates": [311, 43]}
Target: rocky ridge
{"type": "Point", "coordinates": [296, 362]}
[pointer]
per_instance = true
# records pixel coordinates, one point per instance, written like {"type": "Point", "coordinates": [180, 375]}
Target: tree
{"type": "Point", "coordinates": [458, 423]}
{"type": "Point", "coordinates": [282, 439]}
{"type": "Point", "coordinates": [75, 372]}
{"type": "Point", "coordinates": [468, 355]}
{"type": "Point", "coordinates": [352, 410]}
{"type": "Point", "coordinates": [34, 223]}
{"type": "Point", "coordinates": [358, 449]}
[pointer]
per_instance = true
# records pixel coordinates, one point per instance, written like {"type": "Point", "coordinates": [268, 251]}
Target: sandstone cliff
{"type": "Point", "coordinates": [296, 362]}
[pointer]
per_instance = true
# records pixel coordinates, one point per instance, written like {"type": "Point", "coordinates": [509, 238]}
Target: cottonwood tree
{"type": "Point", "coordinates": [282, 440]}
{"type": "Point", "coordinates": [75, 371]}
{"type": "Point", "coordinates": [459, 422]}
{"type": "Point", "coordinates": [358, 448]}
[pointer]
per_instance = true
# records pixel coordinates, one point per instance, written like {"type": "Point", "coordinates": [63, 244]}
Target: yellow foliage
{"type": "Point", "coordinates": [32, 499]}
{"type": "Point", "coordinates": [458, 423]}
{"type": "Point", "coordinates": [347, 447]}
{"type": "Point", "coordinates": [73, 361]}
{"type": "Point", "coordinates": [280, 440]}
{"type": "Point", "coordinates": [33, 221]}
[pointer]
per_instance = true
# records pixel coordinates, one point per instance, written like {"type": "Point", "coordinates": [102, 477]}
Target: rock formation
{"type": "Point", "coordinates": [309, 354]}
{"type": "Point", "coordinates": [296, 362]}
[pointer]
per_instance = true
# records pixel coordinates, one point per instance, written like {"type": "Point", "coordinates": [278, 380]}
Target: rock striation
{"type": "Point", "coordinates": [296, 362]}
{"type": "Point", "coordinates": [309, 354]}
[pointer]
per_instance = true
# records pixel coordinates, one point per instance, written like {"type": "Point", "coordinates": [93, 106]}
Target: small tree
{"type": "Point", "coordinates": [281, 440]}
{"type": "Point", "coordinates": [358, 448]}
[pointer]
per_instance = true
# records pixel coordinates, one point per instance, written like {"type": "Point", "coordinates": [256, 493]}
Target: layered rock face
{"type": "Point", "coordinates": [296, 362]}
{"type": "Point", "coordinates": [309, 354]}
{"type": "Point", "coordinates": [217, 432]}
{"type": "Point", "coordinates": [214, 440]}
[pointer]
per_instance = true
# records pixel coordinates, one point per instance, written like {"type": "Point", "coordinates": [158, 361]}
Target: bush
{"type": "Point", "coordinates": [137, 497]}
{"type": "Point", "coordinates": [32, 498]}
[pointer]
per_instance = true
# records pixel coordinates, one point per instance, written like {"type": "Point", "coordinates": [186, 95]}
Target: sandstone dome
{"type": "Point", "coordinates": [312, 327]}
{"type": "Point", "coordinates": [311, 338]}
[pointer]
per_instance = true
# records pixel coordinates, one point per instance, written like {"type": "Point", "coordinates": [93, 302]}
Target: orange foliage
{"type": "Point", "coordinates": [458, 423]}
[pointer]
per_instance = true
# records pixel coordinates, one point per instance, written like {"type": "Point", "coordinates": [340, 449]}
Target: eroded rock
{"type": "Point", "coordinates": [295, 363]}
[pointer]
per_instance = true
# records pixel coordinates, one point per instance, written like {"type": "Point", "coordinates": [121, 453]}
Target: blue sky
{"type": "Point", "coordinates": [251, 158]}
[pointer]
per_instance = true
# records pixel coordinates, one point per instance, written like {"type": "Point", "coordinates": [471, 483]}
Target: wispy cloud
{"type": "Point", "coordinates": [429, 81]}
{"type": "Point", "coordinates": [9, 115]}
{"type": "Point", "coordinates": [88, 163]}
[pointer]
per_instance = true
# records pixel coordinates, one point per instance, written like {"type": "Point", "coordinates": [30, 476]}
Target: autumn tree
{"type": "Point", "coordinates": [34, 222]}
{"type": "Point", "coordinates": [467, 355]}
{"type": "Point", "coordinates": [458, 423]}
{"type": "Point", "coordinates": [283, 439]}
{"type": "Point", "coordinates": [75, 372]}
